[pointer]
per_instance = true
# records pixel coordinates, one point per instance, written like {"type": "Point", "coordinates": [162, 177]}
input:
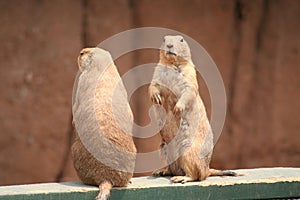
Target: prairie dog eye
{"type": "Point", "coordinates": [81, 53]}
{"type": "Point", "coordinates": [164, 40]}
{"type": "Point", "coordinates": [181, 40]}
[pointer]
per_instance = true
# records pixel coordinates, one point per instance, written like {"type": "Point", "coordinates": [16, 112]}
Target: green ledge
{"type": "Point", "coordinates": [264, 183]}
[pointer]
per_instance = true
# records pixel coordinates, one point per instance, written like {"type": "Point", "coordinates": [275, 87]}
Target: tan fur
{"type": "Point", "coordinates": [187, 134]}
{"type": "Point", "coordinates": [97, 86]}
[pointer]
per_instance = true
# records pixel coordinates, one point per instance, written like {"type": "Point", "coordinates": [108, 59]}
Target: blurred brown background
{"type": "Point", "coordinates": [255, 44]}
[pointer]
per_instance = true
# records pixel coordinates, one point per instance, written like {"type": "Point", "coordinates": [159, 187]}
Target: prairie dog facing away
{"type": "Point", "coordinates": [187, 138]}
{"type": "Point", "coordinates": [103, 151]}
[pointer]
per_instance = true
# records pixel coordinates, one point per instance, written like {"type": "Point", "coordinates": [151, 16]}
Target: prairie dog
{"type": "Point", "coordinates": [187, 138]}
{"type": "Point", "coordinates": [103, 151]}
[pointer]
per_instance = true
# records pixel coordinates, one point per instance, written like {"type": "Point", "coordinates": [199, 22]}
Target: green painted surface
{"type": "Point", "coordinates": [241, 191]}
{"type": "Point", "coordinates": [265, 183]}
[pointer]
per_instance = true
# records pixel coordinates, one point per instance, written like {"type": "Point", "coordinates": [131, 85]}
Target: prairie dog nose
{"type": "Point", "coordinates": [169, 46]}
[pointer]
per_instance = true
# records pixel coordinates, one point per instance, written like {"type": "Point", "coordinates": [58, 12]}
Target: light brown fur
{"type": "Point", "coordinates": [186, 135]}
{"type": "Point", "coordinates": [105, 129]}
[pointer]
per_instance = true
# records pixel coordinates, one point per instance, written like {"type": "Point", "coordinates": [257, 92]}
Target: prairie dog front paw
{"type": "Point", "coordinates": [155, 96]}
{"type": "Point", "coordinates": [179, 108]}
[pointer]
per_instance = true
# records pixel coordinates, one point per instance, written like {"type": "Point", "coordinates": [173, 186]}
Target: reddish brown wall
{"type": "Point", "coordinates": [255, 44]}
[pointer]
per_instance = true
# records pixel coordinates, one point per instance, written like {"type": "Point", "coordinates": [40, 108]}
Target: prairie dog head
{"type": "Point", "coordinates": [175, 50]}
{"type": "Point", "coordinates": [93, 59]}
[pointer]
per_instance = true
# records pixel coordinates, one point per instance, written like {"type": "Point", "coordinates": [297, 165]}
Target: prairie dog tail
{"type": "Point", "coordinates": [215, 172]}
{"type": "Point", "coordinates": [104, 190]}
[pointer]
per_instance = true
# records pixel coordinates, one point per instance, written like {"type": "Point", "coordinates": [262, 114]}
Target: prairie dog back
{"type": "Point", "coordinates": [103, 151]}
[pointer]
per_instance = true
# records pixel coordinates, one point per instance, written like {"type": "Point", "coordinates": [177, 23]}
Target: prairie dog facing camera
{"type": "Point", "coordinates": [103, 151]}
{"type": "Point", "coordinates": [187, 138]}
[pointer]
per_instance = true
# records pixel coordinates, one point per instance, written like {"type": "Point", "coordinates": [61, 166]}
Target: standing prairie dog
{"type": "Point", "coordinates": [187, 138]}
{"type": "Point", "coordinates": [103, 151]}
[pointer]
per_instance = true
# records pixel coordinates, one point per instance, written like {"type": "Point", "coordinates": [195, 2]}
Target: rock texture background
{"type": "Point", "coordinates": [255, 44]}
